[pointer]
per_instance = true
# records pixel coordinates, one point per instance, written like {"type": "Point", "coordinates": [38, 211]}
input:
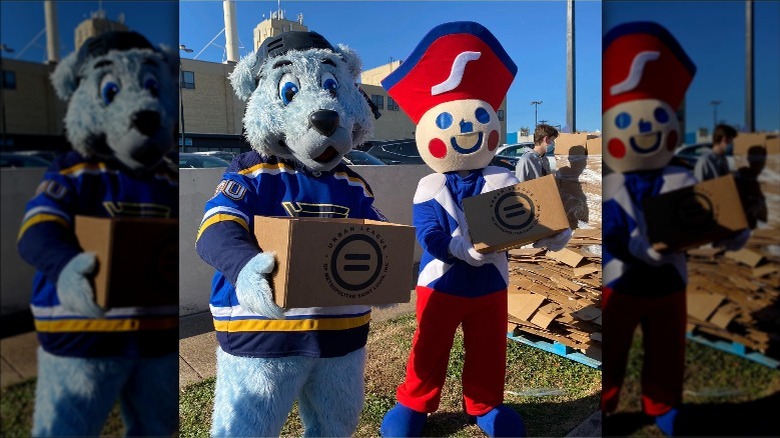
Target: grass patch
{"type": "Point", "coordinates": [17, 403]}
{"type": "Point", "coordinates": [715, 381]}
{"type": "Point", "coordinates": [388, 350]}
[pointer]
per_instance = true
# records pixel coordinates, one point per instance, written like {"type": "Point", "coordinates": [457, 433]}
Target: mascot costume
{"type": "Point", "coordinates": [121, 121]}
{"type": "Point", "coordinates": [451, 86]}
{"type": "Point", "coordinates": [304, 112]}
{"type": "Point", "coordinates": [646, 75]}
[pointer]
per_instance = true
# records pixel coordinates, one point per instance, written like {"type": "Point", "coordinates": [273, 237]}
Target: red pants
{"type": "Point", "coordinates": [663, 322]}
{"type": "Point", "coordinates": [484, 339]}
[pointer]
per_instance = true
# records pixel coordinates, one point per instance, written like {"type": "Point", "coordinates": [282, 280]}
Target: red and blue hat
{"type": "Point", "coordinates": [642, 60]}
{"type": "Point", "coordinates": [454, 61]}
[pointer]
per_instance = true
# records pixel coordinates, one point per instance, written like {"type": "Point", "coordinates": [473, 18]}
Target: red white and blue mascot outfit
{"type": "Point", "coordinates": [451, 86]}
{"type": "Point", "coordinates": [645, 76]}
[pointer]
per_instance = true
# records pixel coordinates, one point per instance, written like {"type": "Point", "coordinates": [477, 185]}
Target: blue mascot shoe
{"type": "Point", "coordinates": [402, 422]}
{"type": "Point", "coordinates": [667, 421]}
{"type": "Point", "coordinates": [501, 421]}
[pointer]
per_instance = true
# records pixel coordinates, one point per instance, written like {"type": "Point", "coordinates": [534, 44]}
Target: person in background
{"type": "Point", "coordinates": [533, 163]}
{"type": "Point", "coordinates": [712, 163]}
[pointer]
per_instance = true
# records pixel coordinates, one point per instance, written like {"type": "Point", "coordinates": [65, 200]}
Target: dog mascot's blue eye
{"type": "Point", "coordinates": [108, 89]}
{"type": "Point", "coordinates": [288, 88]}
{"type": "Point", "coordinates": [330, 83]}
{"type": "Point", "coordinates": [152, 84]}
{"type": "Point", "coordinates": [482, 115]}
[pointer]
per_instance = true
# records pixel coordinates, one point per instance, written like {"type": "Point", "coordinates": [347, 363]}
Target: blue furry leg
{"type": "Point", "coordinates": [402, 422]}
{"type": "Point", "coordinates": [501, 421]}
{"type": "Point", "coordinates": [74, 395]}
{"type": "Point", "coordinates": [150, 398]}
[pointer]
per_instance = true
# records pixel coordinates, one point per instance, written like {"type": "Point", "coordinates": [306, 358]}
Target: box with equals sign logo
{"type": "Point", "coordinates": [516, 215]}
{"type": "Point", "coordinates": [323, 262]}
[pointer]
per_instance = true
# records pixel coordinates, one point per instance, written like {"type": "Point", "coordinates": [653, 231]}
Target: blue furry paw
{"type": "Point", "coordinates": [501, 421]}
{"type": "Point", "coordinates": [73, 288]}
{"type": "Point", "coordinates": [253, 290]}
{"type": "Point", "coordinates": [667, 421]}
{"type": "Point", "coordinates": [402, 421]}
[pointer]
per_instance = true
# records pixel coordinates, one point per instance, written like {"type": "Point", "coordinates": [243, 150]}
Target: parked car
{"type": "Point", "coordinates": [514, 150]}
{"type": "Point", "coordinates": [687, 155]}
{"type": "Point", "coordinates": [195, 161]}
{"type": "Point", "coordinates": [396, 152]}
{"type": "Point", "coordinates": [44, 155]}
{"type": "Point", "coordinates": [223, 155]}
{"type": "Point", "coordinates": [502, 161]}
{"type": "Point", "coordinates": [360, 158]}
{"type": "Point", "coordinates": [12, 159]}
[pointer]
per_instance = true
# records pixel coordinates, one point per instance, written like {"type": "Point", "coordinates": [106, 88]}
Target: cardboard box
{"type": "Point", "coordinates": [746, 140]}
{"type": "Point", "coordinates": [692, 216]}
{"type": "Point", "coordinates": [337, 262]}
{"type": "Point", "coordinates": [593, 145]}
{"type": "Point", "coordinates": [516, 215]}
{"type": "Point", "coordinates": [138, 260]}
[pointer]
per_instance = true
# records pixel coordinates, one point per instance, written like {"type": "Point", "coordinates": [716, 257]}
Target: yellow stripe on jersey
{"type": "Point", "coordinates": [40, 218]}
{"type": "Point", "coordinates": [219, 217]}
{"type": "Point", "coordinates": [84, 166]}
{"type": "Point", "coordinates": [105, 325]}
{"type": "Point", "coordinates": [355, 180]}
{"type": "Point", "coordinates": [290, 325]}
{"type": "Point", "coordinates": [265, 166]}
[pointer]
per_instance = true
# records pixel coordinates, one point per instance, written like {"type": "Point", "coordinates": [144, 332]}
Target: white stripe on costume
{"type": "Point", "coordinates": [314, 312]}
{"type": "Point", "coordinates": [59, 311]}
{"type": "Point", "coordinates": [230, 210]}
{"type": "Point", "coordinates": [46, 209]}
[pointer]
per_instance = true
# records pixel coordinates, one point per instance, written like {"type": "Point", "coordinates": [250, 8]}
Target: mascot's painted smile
{"type": "Point", "coordinates": [646, 143]}
{"type": "Point", "coordinates": [474, 148]}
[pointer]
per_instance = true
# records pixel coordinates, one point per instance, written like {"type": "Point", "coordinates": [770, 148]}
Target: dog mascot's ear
{"type": "Point", "coordinates": [354, 65]}
{"type": "Point", "coordinates": [65, 76]}
{"type": "Point", "coordinates": [243, 77]}
{"type": "Point", "coordinates": [171, 57]}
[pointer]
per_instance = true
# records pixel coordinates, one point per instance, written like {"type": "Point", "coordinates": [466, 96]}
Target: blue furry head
{"type": "Point", "coordinates": [122, 95]}
{"type": "Point", "coordinates": [303, 102]}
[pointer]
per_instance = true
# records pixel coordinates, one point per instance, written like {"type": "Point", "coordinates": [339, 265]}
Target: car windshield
{"type": "Point", "coordinates": [358, 158]}
{"type": "Point", "coordinates": [200, 161]}
{"type": "Point", "coordinates": [514, 151]}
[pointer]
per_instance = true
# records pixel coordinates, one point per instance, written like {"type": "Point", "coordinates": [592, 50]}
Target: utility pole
{"type": "Point", "coordinates": [714, 104]}
{"type": "Point", "coordinates": [535, 103]}
{"type": "Point", "coordinates": [184, 49]}
{"type": "Point", "coordinates": [571, 94]}
{"type": "Point", "coordinates": [750, 123]}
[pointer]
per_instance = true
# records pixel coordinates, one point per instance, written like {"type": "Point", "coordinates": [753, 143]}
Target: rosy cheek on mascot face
{"type": "Point", "coordinates": [437, 148]}
{"type": "Point", "coordinates": [671, 140]}
{"type": "Point", "coordinates": [493, 140]}
{"type": "Point", "coordinates": [616, 148]}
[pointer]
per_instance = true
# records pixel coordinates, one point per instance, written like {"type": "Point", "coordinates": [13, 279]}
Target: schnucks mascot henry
{"type": "Point", "coordinates": [121, 121]}
{"type": "Point", "coordinates": [451, 86]}
{"type": "Point", "coordinates": [304, 112]}
{"type": "Point", "coordinates": [646, 75]}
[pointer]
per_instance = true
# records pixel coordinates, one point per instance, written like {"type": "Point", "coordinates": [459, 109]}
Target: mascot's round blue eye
{"type": "Point", "coordinates": [661, 115]}
{"type": "Point", "coordinates": [623, 120]}
{"type": "Point", "coordinates": [152, 84]}
{"type": "Point", "coordinates": [444, 120]}
{"type": "Point", "coordinates": [109, 91]}
{"type": "Point", "coordinates": [482, 115]}
{"type": "Point", "coordinates": [288, 92]}
{"type": "Point", "coordinates": [330, 83]}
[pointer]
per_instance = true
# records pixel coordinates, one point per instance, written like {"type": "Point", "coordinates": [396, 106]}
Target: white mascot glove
{"type": "Point", "coordinates": [462, 248]}
{"type": "Point", "coordinates": [640, 248]}
{"type": "Point", "coordinates": [73, 288]}
{"type": "Point", "coordinates": [253, 289]}
{"type": "Point", "coordinates": [735, 242]}
{"type": "Point", "coordinates": [556, 242]}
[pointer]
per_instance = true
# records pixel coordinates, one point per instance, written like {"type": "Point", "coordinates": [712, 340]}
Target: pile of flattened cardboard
{"type": "Point", "coordinates": [556, 295]}
{"type": "Point", "coordinates": [736, 295]}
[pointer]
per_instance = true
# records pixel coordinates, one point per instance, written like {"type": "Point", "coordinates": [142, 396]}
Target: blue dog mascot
{"type": "Point", "coordinates": [121, 122]}
{"type": "Point", "coordinates": [304, 112]}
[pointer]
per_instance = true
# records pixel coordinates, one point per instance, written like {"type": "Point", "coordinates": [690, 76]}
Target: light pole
{"type": "Point", "coordinates": [535, 103]}
{"type": "Point", "coordinates": [3, 48]}
{"type": "Point", "coordinates": [184, 49]}
{"type": "Point", "coordinates": [714, 104]}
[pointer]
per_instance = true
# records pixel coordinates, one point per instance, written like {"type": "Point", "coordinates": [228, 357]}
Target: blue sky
{"type": "Point", "coordinates": [533, 33]}
{"type": "Point", "coordinates": [713, 35]}
{"type": "Point", "coordinates": [21, 21]}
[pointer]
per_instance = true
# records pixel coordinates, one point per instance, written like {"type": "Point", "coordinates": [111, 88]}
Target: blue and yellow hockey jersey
{"type": "Point", "coordinates": [75, 186]}
{"type": "Point", "coordinates": [268, 186]}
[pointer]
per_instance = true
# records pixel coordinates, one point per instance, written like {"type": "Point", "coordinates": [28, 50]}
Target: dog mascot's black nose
{"type": "Point", "coordinates": [147, 122]}
{"type": "Point", "coordinates": [324, 121]}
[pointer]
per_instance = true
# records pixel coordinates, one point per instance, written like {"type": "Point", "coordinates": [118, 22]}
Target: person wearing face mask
{"type": "Point", "coordinates": [712, 163]}
{"type": "Point", "coordinates": [533, 163]}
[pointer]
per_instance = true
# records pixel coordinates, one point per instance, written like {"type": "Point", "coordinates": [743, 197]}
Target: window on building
{"type": "Point", "coordinates": [9, 80]}
{"type": "Point", "coordinates": [378, 100]}
{"type": "Point", "coordinates": [188, 79]}
{"type": "Point", "coordinates": [391, 105]}
{"type": "Point", "coordinates": [501, 115]}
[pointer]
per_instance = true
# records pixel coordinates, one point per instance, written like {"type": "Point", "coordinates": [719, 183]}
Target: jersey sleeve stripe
{"type": "Point", "coordinates": [40, 218]}
{"type": "Point", "coordinates": [220, 217]}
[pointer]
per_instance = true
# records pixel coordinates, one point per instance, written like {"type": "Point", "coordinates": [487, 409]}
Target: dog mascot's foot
{"type": "Point", "coordinates": [501, 421]}
{"type": "Point", "coordinates": [666, 422]}
{"type": "Point", "coordinates": [402, 422]}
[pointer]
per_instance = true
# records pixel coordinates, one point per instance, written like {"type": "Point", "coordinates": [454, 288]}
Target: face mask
{"type": "Point", "coordinates": [550, 148]}
{"type": "Point", "coordinates": [730, 149]}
